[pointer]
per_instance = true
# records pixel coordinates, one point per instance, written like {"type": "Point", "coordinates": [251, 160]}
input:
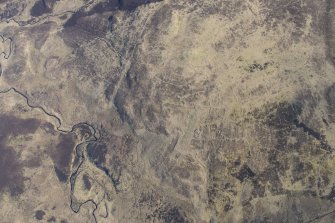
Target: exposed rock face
{"type": "Point", "coordinates": [167, 111]}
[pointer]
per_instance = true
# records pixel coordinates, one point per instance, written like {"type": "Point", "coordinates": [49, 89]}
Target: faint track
{"type": "Point", "coordinates": [320, 217]}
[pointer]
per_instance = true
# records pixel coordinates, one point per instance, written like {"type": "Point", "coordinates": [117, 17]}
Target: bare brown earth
{"type": "Point", "coordinates": [167, 111]}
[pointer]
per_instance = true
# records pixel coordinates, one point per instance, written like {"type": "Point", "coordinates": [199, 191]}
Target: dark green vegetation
{"type": "Point", "coordinates": [40, 8]}
{"type": "Point", "coordinates": [10, 165]}
{"type": "Point", "coordinates": [107, 6]}
{"type": "Point", "coordinates": [39, 215]}
{"type": "Point", "coordinates": [62, 156]}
